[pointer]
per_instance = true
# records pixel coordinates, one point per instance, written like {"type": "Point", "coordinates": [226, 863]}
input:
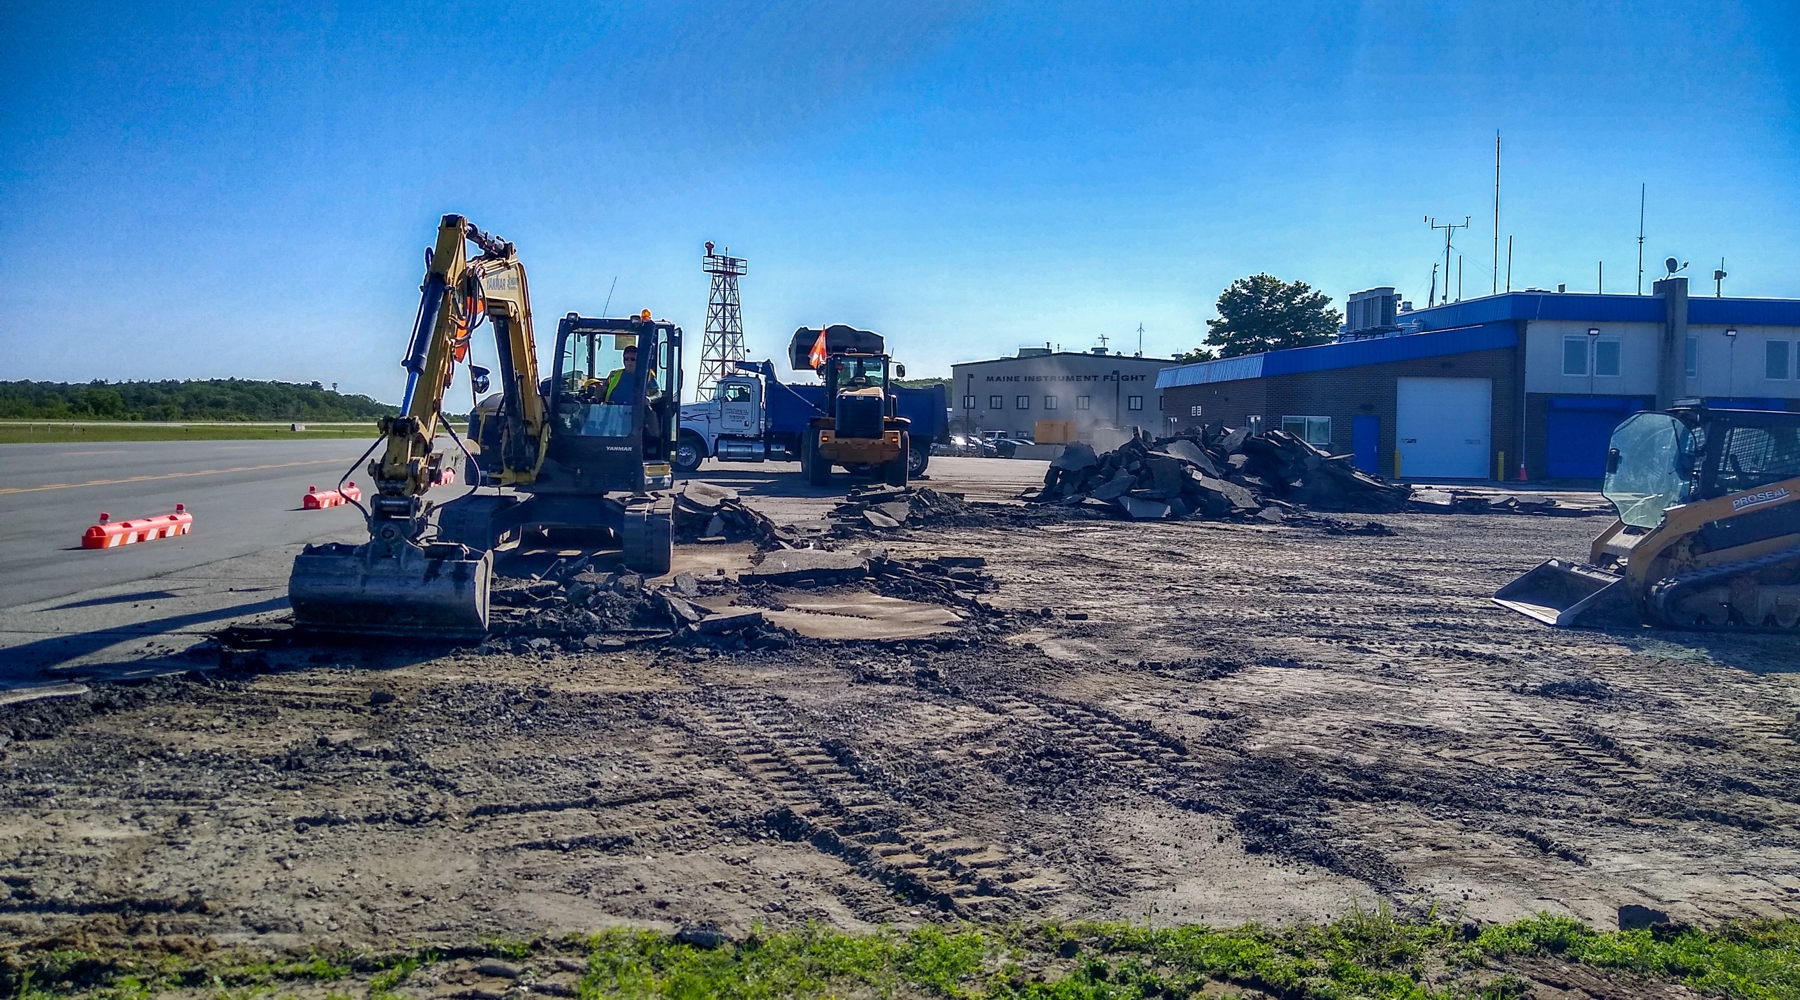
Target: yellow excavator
{"type": "Point", "coordinates": [585, 449]}
{"type": "Point", "coordinates": [1708, 529]}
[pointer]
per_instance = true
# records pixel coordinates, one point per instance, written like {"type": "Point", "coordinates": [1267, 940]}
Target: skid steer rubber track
{"type": "Point", "coordinates": [1734, 589]}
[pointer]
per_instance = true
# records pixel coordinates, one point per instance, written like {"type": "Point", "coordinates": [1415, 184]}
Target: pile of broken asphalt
{"type": "Point", "coordinates": [590, 609]}
{"type": "Point", "coordinates": [1221, 473]}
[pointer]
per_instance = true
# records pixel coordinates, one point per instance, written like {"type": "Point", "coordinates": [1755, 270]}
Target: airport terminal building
{"type": "Point", "coordinates": [1516, 385]}
{"type": "Point", "coordinates": [1104, 394]}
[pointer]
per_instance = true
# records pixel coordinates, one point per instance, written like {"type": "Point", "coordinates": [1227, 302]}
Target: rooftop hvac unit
{"type": "Point", "coordinates": [1371, 312]}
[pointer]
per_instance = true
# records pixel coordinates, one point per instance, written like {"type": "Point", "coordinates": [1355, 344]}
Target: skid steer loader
{"type": "Point", "coordinates": [1708, 529]}
{"type": "Point", "coordinates": [587, 448]}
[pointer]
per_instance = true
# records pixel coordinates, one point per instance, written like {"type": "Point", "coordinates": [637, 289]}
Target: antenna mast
{"type": "Point", "coordinates": [1641, 189]}
{"type": "Point", "coordinates": [1448, 228]}
{"type": "Point", "coordinates": [724, 339]}
{"type": "Point", "coordinates": [1496, 211]}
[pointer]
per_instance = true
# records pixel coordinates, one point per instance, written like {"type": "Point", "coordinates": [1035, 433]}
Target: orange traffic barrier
{"type": "Point", "coordinates": [315, 500]}
{"type": "Point", "coordinates": [110, 534]}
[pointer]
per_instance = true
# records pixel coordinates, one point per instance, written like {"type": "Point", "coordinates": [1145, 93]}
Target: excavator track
{"type": "Point", "coordinates": [1730, 598]}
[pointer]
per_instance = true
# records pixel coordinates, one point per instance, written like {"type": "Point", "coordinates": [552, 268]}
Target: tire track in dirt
{"type": "Point", "coordinates": [816, 798]}
{"type": "Point", "coordinates": [1274, 805]}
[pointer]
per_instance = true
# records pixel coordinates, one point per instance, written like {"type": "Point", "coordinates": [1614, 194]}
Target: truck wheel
{"type": "Point", "coordinates": [818, 468]}
{"type": "Point", "coordinates": [690, 451]}
{"type": "Point", "coordinates": [916, 459]}
{"type": "Point", "coordinates": [896, 468]}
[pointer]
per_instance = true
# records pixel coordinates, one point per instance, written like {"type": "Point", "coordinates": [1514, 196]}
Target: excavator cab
{"type": "Point", "coordinates": [613, 398]}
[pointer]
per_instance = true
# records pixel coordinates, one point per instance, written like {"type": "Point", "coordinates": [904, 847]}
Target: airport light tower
{"type": "Point", "coordinates": [724, 339]}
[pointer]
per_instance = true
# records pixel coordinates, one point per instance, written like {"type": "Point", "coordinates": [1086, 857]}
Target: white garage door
{"type": "Point", "coordinates": [1443, 427]}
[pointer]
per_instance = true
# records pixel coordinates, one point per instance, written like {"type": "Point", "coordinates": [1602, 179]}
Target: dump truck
{"type": "Point", "coordinates": [754, 416]}
{"type": "Point", "coordinates": [1708, 528]}
{"type": "Point", "coordinates": [587, 448]}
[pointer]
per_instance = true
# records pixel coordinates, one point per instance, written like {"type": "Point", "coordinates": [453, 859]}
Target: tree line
{"type": "Point", "coordinates": [211, 399]}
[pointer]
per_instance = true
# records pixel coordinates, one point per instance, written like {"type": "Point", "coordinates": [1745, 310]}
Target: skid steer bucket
{"type": "Point", "coordinates": [1557, 592]}
{"type": "Point", "coordinates": [439, 591]}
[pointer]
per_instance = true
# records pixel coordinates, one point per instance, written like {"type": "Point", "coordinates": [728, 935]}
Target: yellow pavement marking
{"type": "Point", "coordinates": [170, 475]}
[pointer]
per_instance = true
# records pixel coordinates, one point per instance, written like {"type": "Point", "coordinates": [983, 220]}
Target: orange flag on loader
{"type": "Point", "coordinates": [816, 357]}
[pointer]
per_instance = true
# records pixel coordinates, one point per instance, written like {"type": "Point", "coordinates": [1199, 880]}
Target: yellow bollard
{"type": "Point", "coordinates": [1396, 463]}
{"type": "Point", "coordinates": [1500, 469]}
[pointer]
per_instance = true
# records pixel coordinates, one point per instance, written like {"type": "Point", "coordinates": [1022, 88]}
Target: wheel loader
{"type": "Point", "coordinates": [1708, 528]}
{"type": "Point", "coordinates": [587, 448]}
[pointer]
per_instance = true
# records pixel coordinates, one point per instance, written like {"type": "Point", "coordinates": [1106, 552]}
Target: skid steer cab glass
{"type": "Point", "coordinates": [604, 376]}
{"type": "Point", "coordinates": [1649, 468]}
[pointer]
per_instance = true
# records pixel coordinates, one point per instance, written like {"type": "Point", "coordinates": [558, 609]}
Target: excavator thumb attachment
{"type": "Point", "coordinates": [1558, 592]}
{"type": "Point", "coordinates": [438, 591]}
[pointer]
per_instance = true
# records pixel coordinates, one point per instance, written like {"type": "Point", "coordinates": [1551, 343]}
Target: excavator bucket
{"type": "Point", "coordinates": [439, 591]}
{"type": "Point", "coordinates": [1557, 592]}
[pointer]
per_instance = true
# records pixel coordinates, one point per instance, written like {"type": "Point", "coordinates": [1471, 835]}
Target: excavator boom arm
{"type": "Point", "coordinates": [456, 291]}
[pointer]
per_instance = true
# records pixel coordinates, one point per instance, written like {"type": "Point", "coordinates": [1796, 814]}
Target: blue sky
{"type": "Point", "coordinates": [213, 190]}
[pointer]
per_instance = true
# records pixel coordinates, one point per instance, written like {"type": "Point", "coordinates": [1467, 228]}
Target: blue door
{"type": "Point", "coordinates": [1577, 432]}
{"type": "Point", "coordinates": [1365, 441]}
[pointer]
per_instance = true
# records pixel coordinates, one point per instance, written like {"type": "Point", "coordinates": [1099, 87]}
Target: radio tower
{"type": "Point", "coordinates": [724, 340]}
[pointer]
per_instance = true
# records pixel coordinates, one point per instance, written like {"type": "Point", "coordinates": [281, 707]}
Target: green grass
{"type": "Point", "coordinates": [1364, 955]}
{"type": "Point", "coordinates": [41, 432]}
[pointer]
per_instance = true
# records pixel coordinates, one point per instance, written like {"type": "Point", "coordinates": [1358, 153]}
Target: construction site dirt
{"type": "Point", "coordinates": [1171, 721]}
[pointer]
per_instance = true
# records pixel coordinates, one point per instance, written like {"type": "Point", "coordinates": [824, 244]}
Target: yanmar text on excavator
{"type": "Point", "coordinates": [587, 448]}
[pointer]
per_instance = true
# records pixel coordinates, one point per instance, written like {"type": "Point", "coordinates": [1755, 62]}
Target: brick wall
{"type": "Point", "coordinates": [1346, 393]}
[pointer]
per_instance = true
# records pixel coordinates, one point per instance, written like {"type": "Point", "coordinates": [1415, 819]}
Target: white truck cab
{"type": "Point", "coordinates": [728, 426]}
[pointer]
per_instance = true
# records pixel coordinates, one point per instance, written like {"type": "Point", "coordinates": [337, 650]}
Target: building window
{"type": "Point", "coordinates": [1083, 402]}
{"type": "Point", "coordinates": [1134, 402]}
{"type": "Point", "coordinates": [968, 402]}
{"type": "Point", "coordinates": [1159, 404]}
{"type": "Point", "coordinates": [1312, 430]}
{"type": "Point", "coordinates": [1776, 360]}
{"type": "Point", "coordinates": [1049, 402]}
{"type": "Point", "coordinates": [1022, 403]}
{"type": "Point", "coordinates": [1253, 424]}
{"type": "Point", "coordinates": [996, 402]}
{"type": "Point", "coordinates": [1575, 355]}
{"type": "Point", "coordinates": [1606, 356]}
{"type": "Point", "coordinates": [1693, 357]}
{"type": "Point", "coordinates": [1194, 411]}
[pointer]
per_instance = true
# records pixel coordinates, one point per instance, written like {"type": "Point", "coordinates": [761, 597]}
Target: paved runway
{"type": "Point", "coordinates": [244, 495]}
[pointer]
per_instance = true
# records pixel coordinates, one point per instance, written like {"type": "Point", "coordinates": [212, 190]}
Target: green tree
{"type": "Point", "coordinates": [1263, 313]}
{"type": "Point", "coordinates": [1197, 354]}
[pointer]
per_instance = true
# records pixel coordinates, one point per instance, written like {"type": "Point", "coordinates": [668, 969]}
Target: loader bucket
{"type": "Point", "coordinates": [1557, 592]}
{"type": "Point", "coordinates": [436, 592]}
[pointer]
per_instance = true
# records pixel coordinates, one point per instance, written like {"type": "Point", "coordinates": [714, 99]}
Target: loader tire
{"type": "Point", "coordinates": [895, 469]}
{"type": "Point", "coordinates": [818, 468]}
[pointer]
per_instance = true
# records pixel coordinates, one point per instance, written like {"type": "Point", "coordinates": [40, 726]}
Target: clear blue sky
{"type": "Point", "coordinates": [211, 190]}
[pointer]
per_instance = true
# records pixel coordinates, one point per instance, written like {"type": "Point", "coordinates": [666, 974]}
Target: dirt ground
{"type": "Point", "coordinates": [1173, 722]}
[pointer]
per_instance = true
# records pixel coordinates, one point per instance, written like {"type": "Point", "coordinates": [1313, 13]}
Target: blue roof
{"type": "Point", "coordinates": [1324, 357]}
{"type": "Point", "coordinates": [1479, 325]}
{"type": "Point", "coordinates": [1587, 307]}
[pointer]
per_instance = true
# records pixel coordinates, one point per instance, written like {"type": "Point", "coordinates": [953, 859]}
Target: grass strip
{"type": "Point", "coordinates": [1363, 955]}
{"type": "Point", "coordinates": [50, 433]}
